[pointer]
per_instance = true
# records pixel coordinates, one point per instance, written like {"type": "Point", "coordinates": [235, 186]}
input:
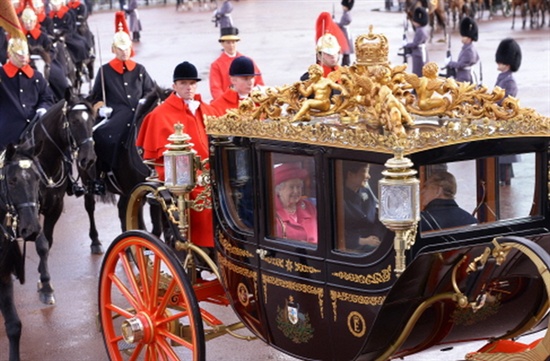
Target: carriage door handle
{"type": "Point", "coordinates": [262, 253]}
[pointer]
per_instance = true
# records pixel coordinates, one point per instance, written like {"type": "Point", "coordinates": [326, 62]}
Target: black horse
{"type": "Point", "coordinates": [19, 183]}
{"type": "Point", "coordinates": [128, 172]}
{"type": "Point", "coordinates": [61, 138]}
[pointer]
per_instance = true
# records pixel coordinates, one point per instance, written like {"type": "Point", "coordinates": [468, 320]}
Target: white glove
{"type": "Point", "coordinates": [40, 112]}
{"type": "Point", "coordinates": [105, 112]}
{"type": "Point", "coordinates": [447, 60]}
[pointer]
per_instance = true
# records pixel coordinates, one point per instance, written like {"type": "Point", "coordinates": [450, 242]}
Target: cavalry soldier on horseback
{"type": "Point", "coordinates": [116, 93]}
{"type": "Point", "coordinates": [64, 22]}
{"type": "Point", "coordinates": [41, 44]}
{"type": "Point", "coordinates": [24, 93]}
{"type": "Point", "coordinates": [46, 23]}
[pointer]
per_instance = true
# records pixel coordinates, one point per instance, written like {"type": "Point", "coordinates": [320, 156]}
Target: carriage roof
{"type": "Point", "coordinates": [383, 108]}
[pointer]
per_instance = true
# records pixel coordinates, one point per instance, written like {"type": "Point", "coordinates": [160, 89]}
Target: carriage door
{"type": "Point", "coordinates": [290, 253]}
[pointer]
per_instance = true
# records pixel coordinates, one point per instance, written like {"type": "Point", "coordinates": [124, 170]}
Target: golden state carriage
{"type": "Point", "coordinates": [324, 299]}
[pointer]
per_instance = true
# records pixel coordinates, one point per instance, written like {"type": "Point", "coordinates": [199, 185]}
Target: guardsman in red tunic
{"type": "Point", "coordinates": [24, 93]}
{"type": "Point", "coordinates": [121, 83]}
{"type": "Point", "coordinates": [243, 76]}
{"type": "Point", "coordinates": [219, 69]}
{"type": "Point", "coordinates": [183, 106]}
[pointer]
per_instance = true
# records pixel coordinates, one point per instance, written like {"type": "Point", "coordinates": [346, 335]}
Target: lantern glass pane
{"type": "Point", "coordinates": [168, 170]}
{"type": "Point", "coordinates": [396, 202]}
{"type": "Point", "coordinates": [184, 169]}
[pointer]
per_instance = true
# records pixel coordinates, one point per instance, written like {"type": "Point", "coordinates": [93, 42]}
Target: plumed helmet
{"type": "Point", "coordinates": [420, 16]}
{"type": "Point", "coordinates": [121, 39]}
{"type": "Point", "coordinates": [288, 171]}
{"type": "Point", "coordinates": [242, 66]}
{"type": "Point", "coordinates": [509, 53]}
{"type": "Point", "coordinates": [18, 46]}
{"type": "Point", "coordinates": [186, 71]}
{"type": "Point", "coordinates": [328, 44]}
{"type": "Point", "coordinates": [57, 4]}
{"type": "Point", "coordinates": [29, 18]}
{"type": "Point", "coordinates": [38, 5]}
{"type": "Point", "coordinates": [468, 27]}
{"type": "Point", "coordinates": [348, 3]}
{"type": "Point", "coordinates": [324, 25]}
{"type": "Point", "coordinates": [229, 34]}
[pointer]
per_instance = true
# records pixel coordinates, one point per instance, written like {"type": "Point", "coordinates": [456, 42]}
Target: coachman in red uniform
{"type": "Point", "coordinates": [183, 106]}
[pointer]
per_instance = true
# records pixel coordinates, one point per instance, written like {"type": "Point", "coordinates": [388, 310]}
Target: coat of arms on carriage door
{"type": "Point", "coordinates": [292, 323]}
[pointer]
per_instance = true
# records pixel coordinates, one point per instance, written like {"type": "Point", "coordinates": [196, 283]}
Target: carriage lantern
{"type": "Point", "coordinates": [179, 162]}
{"type": "Point", "coordinates": [399, 204]}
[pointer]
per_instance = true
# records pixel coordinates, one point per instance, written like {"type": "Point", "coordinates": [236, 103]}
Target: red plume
{"type": "Point", "coordinates": [120, 22]}
{"type": "Point", "coordinates": [325, 24]}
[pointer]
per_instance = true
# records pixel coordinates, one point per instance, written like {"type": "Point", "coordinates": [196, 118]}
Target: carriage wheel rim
{"type": "Point", "coordinates": [148, 330]}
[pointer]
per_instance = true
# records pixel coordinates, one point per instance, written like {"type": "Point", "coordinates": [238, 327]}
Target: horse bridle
{"type": "Point", "coordinates": [9, 225]}
{"type": "Point", "coordinates": [71, 141]}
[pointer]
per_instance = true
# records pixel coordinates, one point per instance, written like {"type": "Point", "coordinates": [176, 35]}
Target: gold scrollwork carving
{"type": "Point", "coordinates": [225, 263]}
{"type": "Point", "coordinates": [290, 265]}
{"type": "Point", "coordinates": [369, 279]}
{"type": "Point", "coordinates": [293, 286]}
{"type": "Point", "coordinates": [336, 296]}
{"type": "Point", "coordinates": [230, 249]}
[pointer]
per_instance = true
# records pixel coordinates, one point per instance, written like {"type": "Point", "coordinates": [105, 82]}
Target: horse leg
{"type": "Point", "coordinates": [44, 288]}
{"type": "Point", "coordinates": [89, 204]}
{"type": "Point", "coordinates": [11, 318]}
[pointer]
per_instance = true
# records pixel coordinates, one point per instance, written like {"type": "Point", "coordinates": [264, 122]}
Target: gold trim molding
{"type": "Point", "coordinates": [336, 296]}
{"type": "Point", "coordinates": [230, 249]}
{"type": "Point", "coordinates": [293, 286]}
{"type": "Point", "coordinates": [369, 279]}
{"type": "Point", "coordinates": [290, 266]}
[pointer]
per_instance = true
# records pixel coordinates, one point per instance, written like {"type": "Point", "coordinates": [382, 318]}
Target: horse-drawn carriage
{"type": "Point", "coordinates": [322, 296]}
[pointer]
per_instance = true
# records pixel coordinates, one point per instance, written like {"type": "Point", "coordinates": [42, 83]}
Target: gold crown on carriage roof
{"type": "Point", "coordinates": [371, 49]}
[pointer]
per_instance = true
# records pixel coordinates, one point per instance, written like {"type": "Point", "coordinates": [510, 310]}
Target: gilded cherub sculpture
{"type": "Point", "coordinates": [321, 88]}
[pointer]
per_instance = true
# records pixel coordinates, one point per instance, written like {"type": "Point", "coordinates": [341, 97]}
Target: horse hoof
{"type": "Point", "coordinates": [97, 249]}
{"type": "Point", "coordinates": [46, 298]}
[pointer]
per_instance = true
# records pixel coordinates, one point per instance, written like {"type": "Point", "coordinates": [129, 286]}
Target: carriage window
{"type": "Point", "coordinates": [464, 193]}
{"type": "Point", "coordinates": [239, 187]}
{"type": "Point", "coordinates": [358, 227]}
{"type": "Point", "coordinates": [293, 198]}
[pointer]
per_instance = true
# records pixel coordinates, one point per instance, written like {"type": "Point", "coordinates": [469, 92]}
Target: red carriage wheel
{"type": "Point", "coordinates": [147, 306]}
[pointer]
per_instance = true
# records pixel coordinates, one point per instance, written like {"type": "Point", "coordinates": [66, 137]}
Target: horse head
{"type": "Point", "coordinates": [80, 118]}
{"type": "Point", "coordinates": [155, 97]}
{"type": "Point", "coordinates": [19, 187]}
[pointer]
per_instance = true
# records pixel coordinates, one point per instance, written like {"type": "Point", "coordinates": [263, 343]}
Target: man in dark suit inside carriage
{"type": "Point", "coordinates": [24, 93]}
{"type": "Point", "coordinates": [119, 86]}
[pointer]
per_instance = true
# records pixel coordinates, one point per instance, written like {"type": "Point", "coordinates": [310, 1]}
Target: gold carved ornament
{"type": "Point", "coordinates": [374, 106]}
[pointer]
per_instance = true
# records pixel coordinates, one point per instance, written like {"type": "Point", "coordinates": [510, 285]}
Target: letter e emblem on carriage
{"type": "Point", "coordinates": [243, 294]}
{"type": "Point", "coordinates": [356, 324]}
{"type": "Point", "coordinates": [292, 311]}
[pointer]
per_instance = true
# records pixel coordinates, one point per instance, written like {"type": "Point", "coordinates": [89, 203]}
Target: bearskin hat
{"type": "Point", "coordinates": [348, 3]}
{"type": "Point", "coordinates": [509, 53]}
{"type": "Point", "coordinates": [468, 27]}
{"type": "Point", "coordinates": [420, 16]}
